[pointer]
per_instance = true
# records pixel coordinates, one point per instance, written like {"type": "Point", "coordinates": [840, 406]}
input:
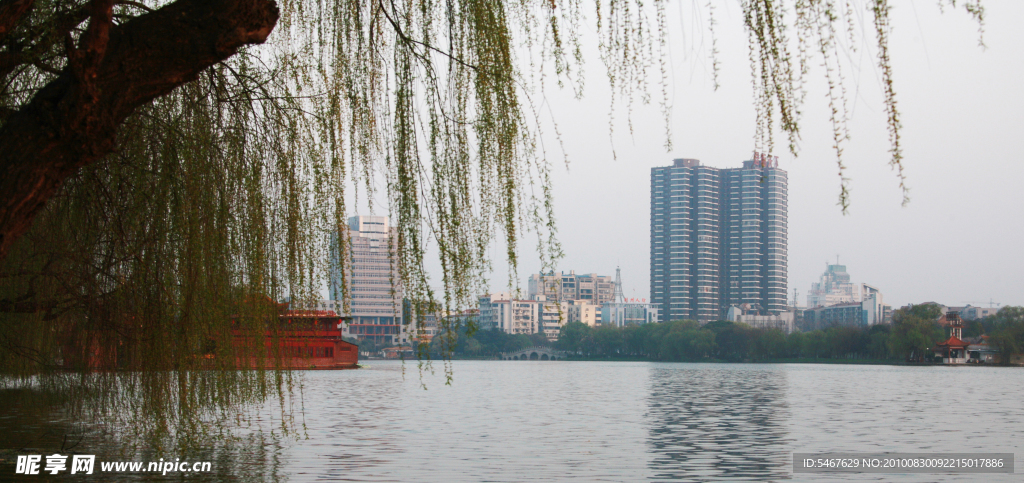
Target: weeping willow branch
{"type": "Point", "coordinates": [880, 9]}
{"type": "Point", "coordinates": [167, 178]}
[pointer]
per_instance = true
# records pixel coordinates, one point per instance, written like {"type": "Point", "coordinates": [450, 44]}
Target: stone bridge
{"type": "Point", "coordinates": [538, 353]}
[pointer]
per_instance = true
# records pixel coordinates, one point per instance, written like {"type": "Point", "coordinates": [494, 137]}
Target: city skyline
{"type": "Point", "coordinates": [961, 153]}
{"type": "Point", "coordinates": [961, 147]}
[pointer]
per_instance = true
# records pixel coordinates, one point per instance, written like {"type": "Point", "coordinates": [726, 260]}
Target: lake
{"type": "Point", "coordinates": [522, 421]}
{"type": "Point", "coordinates": [634, 421]}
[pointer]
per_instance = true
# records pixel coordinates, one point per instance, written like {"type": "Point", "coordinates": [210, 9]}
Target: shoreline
{"type": "Point", "coordinates": [875, 362]}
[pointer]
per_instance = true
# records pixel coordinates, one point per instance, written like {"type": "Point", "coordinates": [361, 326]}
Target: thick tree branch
{"type": "Point", "coordinates": [10, 12]}
{"type": "Point", "coordinates": [73, 120]}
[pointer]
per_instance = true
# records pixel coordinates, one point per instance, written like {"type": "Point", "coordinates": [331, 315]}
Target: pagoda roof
{"type": "Point", "coordinates": [952, 341]}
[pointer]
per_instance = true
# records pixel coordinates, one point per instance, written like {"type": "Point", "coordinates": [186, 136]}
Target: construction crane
{"type": "Point", "coordinates": [990, 303]}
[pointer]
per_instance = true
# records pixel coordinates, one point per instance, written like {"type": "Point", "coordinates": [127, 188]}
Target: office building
{"type": "Point", "coordinates": [371, 276]}
{"type": "Point", "coordinates": [833, 289]}
{"type": "Point", "coordinates": [718, 239]}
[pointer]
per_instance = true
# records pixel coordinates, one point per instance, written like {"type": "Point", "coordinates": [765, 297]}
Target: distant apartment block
{"type": "Point", "coordinates": [371, 276]}
{"type": "Point", "coordinates": [718, 239]}
{"type": "Point", "coordinates": [516, 316]}
{"type": "Point", "coordinates": [503, 312]}
{"type": "Point", "coordinates": [552, 318]}
{"type": "Point", "coordinates": [565, 287]}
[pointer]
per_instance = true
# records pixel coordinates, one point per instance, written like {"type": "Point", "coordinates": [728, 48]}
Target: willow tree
{"type": "Point", "coordinates": [167, 166]}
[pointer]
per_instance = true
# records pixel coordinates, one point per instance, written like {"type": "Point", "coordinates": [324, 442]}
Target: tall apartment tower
{"type": "Point", "coordinates": [718, 239]}
{"type": "Point", "coordinates": [372, 280]}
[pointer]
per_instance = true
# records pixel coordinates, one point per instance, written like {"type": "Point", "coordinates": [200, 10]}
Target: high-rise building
{"type": "Point", "coordinates": [833, 289]}
{"type": "Point", "coordinates": [718, 239]}
{"type": "Point", "coordinates": [371, 277]}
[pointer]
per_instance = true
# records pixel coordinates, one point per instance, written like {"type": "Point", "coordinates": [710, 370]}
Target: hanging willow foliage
{"type": "Point", "coordinates": [220, 197]}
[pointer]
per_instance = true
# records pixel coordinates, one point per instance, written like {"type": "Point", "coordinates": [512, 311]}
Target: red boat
{"type": "Point", "coordinates": [307, 339]}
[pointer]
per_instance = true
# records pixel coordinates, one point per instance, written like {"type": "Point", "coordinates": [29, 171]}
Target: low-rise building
{"type": "Point", "coordinates": [971, 312]}
{"type": "Point", "coordinates": [513, 316]}
{"type": "Point", "coordinates": [745, 314]}
{"type": "Point", "coordinates": [868, 312]}
{"type": "Point", "coordinates": [979, 351]}
{"type": "Point", "coordinates": [621, 314]}
{"type": "Point", "coordinates": [622, 311]}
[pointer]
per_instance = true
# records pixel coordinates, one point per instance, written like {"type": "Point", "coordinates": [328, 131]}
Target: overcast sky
{"type": "Point", "coordinates": [958, 241]}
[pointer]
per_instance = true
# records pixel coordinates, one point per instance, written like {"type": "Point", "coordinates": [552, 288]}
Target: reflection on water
{"type": "Point", "coordinates": [540, 421]}
{"type": "Point", "coordinates": [710, 421]}
{"type": "Point", "coordinates": [32, 423]}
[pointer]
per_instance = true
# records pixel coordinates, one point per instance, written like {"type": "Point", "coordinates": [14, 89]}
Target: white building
{"type": "Point", "coordinates": [872, 305]}
{"type": "Point", "coordinates": [629, 313]}
{"type": "Point", "coordinates": [783, 321]}
{"type": "Point", "coordinates": [494, 311]}
{"type": "Point", "coordinates": [516, 316]}
{"type": "Point", "coordinates": [621, 312]}
{"type": "Point", "coordinates": [552, 316]}
{"type": "Point", "coordinates": [371, 277]}
{"type": "Point", "coordinates": [501, 311]}
{"type": "Point", "coordinates": [583, 312]}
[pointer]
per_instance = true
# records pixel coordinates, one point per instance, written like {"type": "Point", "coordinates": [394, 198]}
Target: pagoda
{"type": "Point", "coordinates": [953, 350]}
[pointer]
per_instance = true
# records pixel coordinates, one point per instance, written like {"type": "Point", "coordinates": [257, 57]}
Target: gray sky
{"type": "Point", "coordinates": [958, 241]}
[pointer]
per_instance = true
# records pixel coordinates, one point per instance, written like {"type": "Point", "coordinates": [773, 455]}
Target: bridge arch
{"type": "Point", "coordinates": [539, 353]}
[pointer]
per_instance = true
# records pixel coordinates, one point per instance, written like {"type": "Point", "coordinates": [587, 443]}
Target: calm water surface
{"type": "Point", "coordinates": [594, 421]}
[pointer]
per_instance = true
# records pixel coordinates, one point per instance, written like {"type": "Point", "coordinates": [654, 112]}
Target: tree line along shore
{"type": "Point", "coordinates": [913, 332]}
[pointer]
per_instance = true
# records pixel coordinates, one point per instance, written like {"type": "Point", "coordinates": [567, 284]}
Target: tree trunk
{"type": "Point", "coordinates": [73, 120]}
